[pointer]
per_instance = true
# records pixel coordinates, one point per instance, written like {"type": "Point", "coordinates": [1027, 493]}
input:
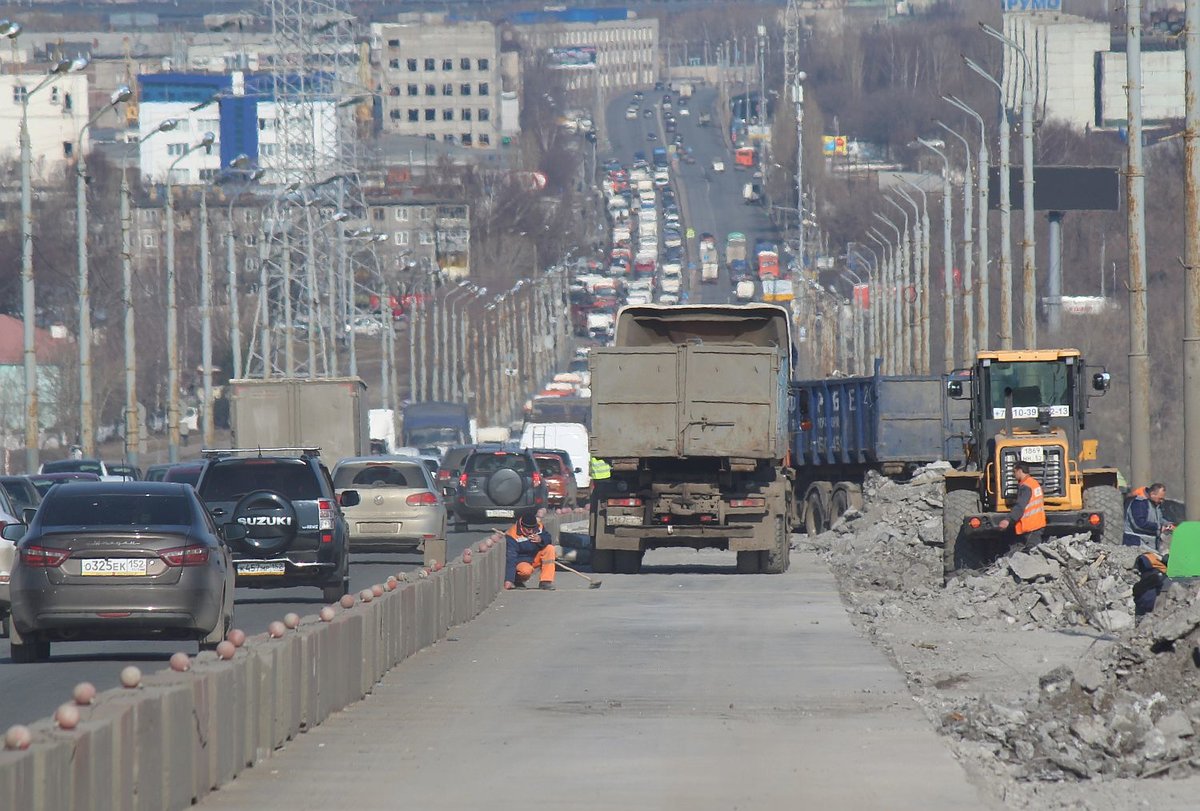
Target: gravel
{"type": "Point", "coordinates": [1034, 668]}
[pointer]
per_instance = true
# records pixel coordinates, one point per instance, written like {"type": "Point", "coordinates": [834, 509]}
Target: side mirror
{"type": "Point", "coordinates": [1101, 381]}
{"type": "Point", "coordinates": [233, 531]}
{"type": "Point", "coordinates": [13, 532]}
{"type": "Point", "coordinates": [954, 388]}
{"type": "Point", "coordinates": [349, 498]}
{"type": "Point", "coordinates": [28, 514]}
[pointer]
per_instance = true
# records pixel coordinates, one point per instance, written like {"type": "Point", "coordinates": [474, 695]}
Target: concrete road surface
{"type": "Point", "coordinates": [686, 687]}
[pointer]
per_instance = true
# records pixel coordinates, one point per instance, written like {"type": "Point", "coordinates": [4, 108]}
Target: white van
{"type": "Point", "coordinates": [571, 437]}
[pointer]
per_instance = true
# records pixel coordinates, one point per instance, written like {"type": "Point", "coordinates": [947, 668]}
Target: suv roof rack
{"type": "Point", "coordinates": [216, 453]}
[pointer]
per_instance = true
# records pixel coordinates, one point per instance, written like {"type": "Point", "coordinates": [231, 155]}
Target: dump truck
{"type": "Point", "coordinates": [847, 427]}
{"type": "Point", "coordinates": [328, 413]}
{"type": "Point", "coordinates": [690, 409]}
{"type": "Point", "coordinates": [1027, 406]}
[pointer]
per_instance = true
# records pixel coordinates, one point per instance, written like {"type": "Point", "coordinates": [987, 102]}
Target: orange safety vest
{"type": "Point", "coordinates": [1034, 516]}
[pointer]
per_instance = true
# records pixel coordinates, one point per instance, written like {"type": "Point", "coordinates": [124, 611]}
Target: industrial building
{"type": "Point", "coordinates": [616, 46]}
{"type": "Point", "coordinates": [56, 114]}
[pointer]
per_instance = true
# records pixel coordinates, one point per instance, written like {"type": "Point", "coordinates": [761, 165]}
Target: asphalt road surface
{"type": "Point", "coordinates": [30, 692]}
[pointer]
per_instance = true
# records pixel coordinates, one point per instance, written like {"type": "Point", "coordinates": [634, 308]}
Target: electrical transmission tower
{"type": "Point", "coordinates": [791, 43]}
{"type": "Point", "coordinates": [310, 271]}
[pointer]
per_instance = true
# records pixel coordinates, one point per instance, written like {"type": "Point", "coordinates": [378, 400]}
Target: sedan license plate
{"type": "Point", "coordinates": [498, 513]}
{"type": "Point", "coordinates": [113, 567]}
{"type": "Point", "coordinates": [625, 520]}
{"type": "Point", "coordinates": [260, 569]}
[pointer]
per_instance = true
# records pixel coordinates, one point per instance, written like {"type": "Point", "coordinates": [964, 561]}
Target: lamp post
{"type": "Point", "coordinates": [1029, 270]}
{"type": "Point", "coordinates": [879, 301]}
{"type": "Point", "coordinates": [968, 330]}
{"type": "Point", "coordinates": [87, 427]}
{"type": "Point", "coordinates": [172, 302]}
{"type": "Point", "coordinates": [948, 362]}
{"type": "Point", "coordinates": [235, 326]}
{"type": "Point", "coordinates": [872, 345]}
{"type": "Point", "coordinates": [28, 306]}
{"type": "Point", "coordinates": [926, 260]}
{"type": "Point", "coordinates": [132, 428]}
{"type": "Point", "coordinates": [896, 320]}
{"type": "Point", "coordinates": [449, 348]}
{"type": "Point", "coordinates": [1006, 258]}
{"type": "Point", "coordinates": [798, 98]}
{"type": "Point", "coordinates": [908, 244]}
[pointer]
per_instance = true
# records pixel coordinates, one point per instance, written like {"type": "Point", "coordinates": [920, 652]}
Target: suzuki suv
{"type": "Point", "coordinates": [296, 534]}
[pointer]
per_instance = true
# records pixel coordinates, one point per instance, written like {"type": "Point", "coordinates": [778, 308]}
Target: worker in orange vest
{"type": "Point", "coordinates": [1028, 515]}
{"type": "Point", "coordinates": [529, 548]}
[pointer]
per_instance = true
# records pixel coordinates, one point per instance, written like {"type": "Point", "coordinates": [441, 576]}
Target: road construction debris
{"type": "Point", "coordinates": [1125, 705]}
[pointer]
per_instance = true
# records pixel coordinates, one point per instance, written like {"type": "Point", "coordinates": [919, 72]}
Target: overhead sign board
{"type": "Point", "coordinates": [571, 57]}
{"type": "Point", "coordinates": [1060, 188]}
{"type": "Point", "coordinates": [833, 144]}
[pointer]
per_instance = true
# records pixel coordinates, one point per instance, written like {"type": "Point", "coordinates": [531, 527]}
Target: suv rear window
{"type": "Point", "coordinates": [72, 466]}
{"type": "Point", "coordinates": [232, 480]}
{"type": "Point", "coordinates": [491, 462]}
{"type": "Point", "coordinates": [133, 510]}
{"type": "Point", "coordinates": [377, 475]}
{"type": "Point", "coordinates": [550, 465]}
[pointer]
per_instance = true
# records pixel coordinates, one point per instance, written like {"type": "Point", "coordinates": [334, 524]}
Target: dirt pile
{"type": "Point", "coordinates": [1129, 707]}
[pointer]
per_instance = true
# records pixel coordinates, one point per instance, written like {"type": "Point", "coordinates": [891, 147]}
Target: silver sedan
{"type": "Point", "coordinates": [400, 507]}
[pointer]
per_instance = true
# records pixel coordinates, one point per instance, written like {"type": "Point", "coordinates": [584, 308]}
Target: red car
{"type": "Point", "coordinates": [561, 487]}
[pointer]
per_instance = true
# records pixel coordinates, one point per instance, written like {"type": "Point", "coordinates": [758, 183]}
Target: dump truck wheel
{"type": "Point", "coordinates": [777, 559]}
{"type": "Point", "coordinates": [1106, 500]}
{"type": "Point", "coordinates": [816, 508]}
{"type": "Point", "coordinates": [956, 506]}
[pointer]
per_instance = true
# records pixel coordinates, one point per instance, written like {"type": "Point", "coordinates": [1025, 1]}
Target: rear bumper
{"type": "Point", "coordinates": [733, 537]}
{"type": "Point", "coordinates": [295, 573]}
{"type": "Point", "coordinates": [1058, 522]}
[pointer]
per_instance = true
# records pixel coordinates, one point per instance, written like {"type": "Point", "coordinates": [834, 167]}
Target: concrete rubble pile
{"type": "Point", "coordinates": [1130, 708]}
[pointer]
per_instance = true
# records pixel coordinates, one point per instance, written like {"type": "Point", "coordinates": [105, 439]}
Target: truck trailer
{"type": "Point", "coordinates": [846, 427]}
{"type": "Point", "coordinates": [435, 426]}
{"type": "Point", "coordinates": [690, 410]}
{"type": "Point", "coordinates": [327, 413]}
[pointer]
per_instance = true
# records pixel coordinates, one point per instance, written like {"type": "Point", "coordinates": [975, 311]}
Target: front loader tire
{"type": "Point", "coordinates": [1106, 500]}
{"type": "Point", "coordinates": [956, 547]}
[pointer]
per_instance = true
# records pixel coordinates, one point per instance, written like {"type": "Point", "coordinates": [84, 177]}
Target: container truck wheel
{"type": "Point", "coordinates": [1106, 500]}
{"type": "Point", "coordinates": [602, 561]}
{"type": "Point", "coordinates": [846, 496]}
{"type": "Point", "coordinates": [957, 552]}
{"type": "Point", "coordinates": [777, 559]}
{"type": "Point", "coordinates": [816, 508]}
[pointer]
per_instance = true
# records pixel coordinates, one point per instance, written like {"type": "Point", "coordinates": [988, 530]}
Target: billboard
{"type": "Point", "coordinates": [833, 145]}
{"type": "Point", "coordinates": [1060, 188]}
{"type": "Point", "coordinates": [571, 57]}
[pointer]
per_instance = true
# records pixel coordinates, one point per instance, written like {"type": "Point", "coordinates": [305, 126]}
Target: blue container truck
{"type": "Point", "coordinates": [435, 426]}
{"type": "Point", "coordinates": [845, 427]}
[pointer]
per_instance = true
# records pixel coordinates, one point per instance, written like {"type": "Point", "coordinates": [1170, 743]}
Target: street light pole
{"type": "Point", "coordinates": [897, 325]}
{"type": "Point", "coordinates": [1006, 247]}
{"type": "Point", "coordinates": [87, 427]}
{"type": "Point", "coordinates": [908, 243]}
{"type": "Point", "coordinates": [1191, 304]}
{"type": "Point", "coordinates": [28, 301]}
{"type": "Point", "coordinates": [926, 261]}
{"type": "Point", "coordinates": [948, 362]}
{"type": "Point", "coordinates": [968, 330]}
{"type": "Point", "coordinates": [235, 318]}
{"type": "Point", "coordinates": [1029, 270]}
{"type": "Point", "coordinates": [798, 97]}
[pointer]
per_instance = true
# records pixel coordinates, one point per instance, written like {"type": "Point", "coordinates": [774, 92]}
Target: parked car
{"type": "Point", "coordinates": [496, 483]}
{"type": "Point", "coordinates": [21, 493]}
{"type": "Point", "coordinates": [559, 475]}
{"type": "Point", "coordinates": [119, 560]}
{"type": "Point", "coordinates": [44, 481]}
{"type": "Point", "coordinates": [296, 533]}
{"type": "Point", "coordinates": [400, 506]}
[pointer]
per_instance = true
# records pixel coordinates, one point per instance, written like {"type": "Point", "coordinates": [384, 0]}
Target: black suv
{"type": "Point", "coordinates": [296, 534]}
{"type": "Point", "coordinates": [498, 482]}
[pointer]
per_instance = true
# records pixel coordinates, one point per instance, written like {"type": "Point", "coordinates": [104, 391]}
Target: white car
{"type": "Point", "coordinates": [637, 298]}
{"type": "Point", "coordinates": [365, 325]}
{"type": "Point", "coordinates": [683, 111]}
{"type": "Point", "coordinates": [718, 166]}
{"type": "Point", "coordinates": [668, 298]}
{"type": "Point", "coordinates": [631, 114]}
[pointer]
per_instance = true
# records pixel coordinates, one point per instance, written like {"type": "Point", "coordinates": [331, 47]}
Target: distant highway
{"type": "Point", "coordinates": [710, 201]}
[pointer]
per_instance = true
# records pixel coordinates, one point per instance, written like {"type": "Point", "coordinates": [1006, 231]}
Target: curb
{"type": "Point", "coordinates": [176, 736]}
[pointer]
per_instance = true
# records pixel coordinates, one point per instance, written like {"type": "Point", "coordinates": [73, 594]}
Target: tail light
{"type": "Point", "coordinates": [443, 475]}
{"type": "Point", "coordinates": [537, 479]}
{"type": "Point", "coordinates": [324, 514]}
{"type": "Point", "coordinates": [185, 556]}
{"type": "Point", "coordinates": [747, 502]}
{"type": "Point", "coordinates": [462, 480]}
{"type": "Point", "coordinates": [426, 499]}
{"type": "Point", "coordinates": [1094, 519]}
{"type": "Point", "coordinates": [44, 557]}
{"type": "Point", "coordinates": [624, 502]}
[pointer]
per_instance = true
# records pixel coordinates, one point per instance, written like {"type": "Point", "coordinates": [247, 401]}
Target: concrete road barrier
{"type": "Point", "coordinates": [177, 736]}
